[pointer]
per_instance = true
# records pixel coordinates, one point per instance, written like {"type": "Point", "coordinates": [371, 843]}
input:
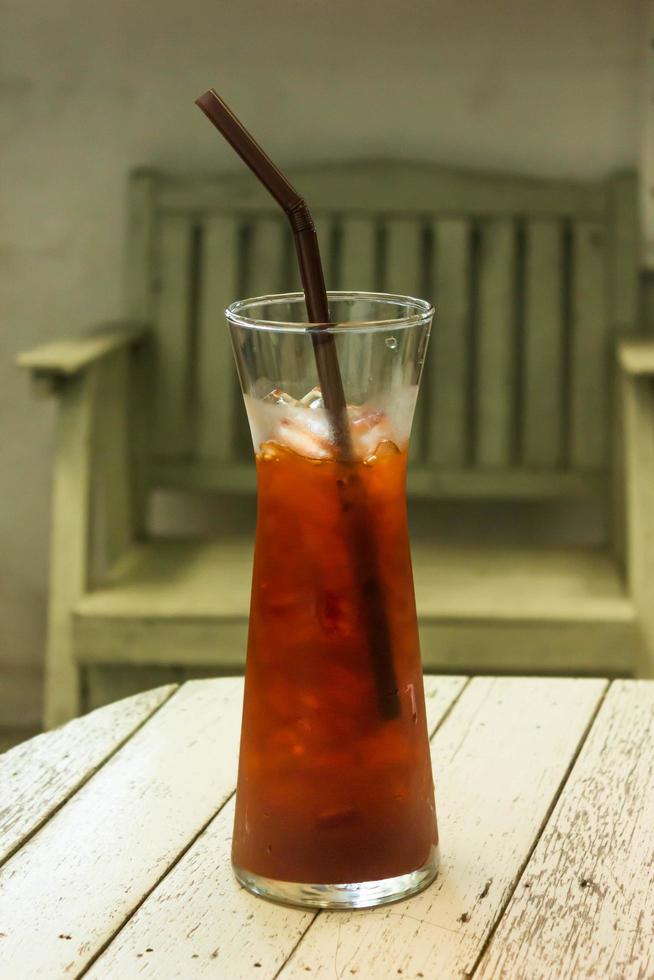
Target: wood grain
{"type": "Point", "coordinates": [37, 776]}
{"type": "Point", "coordinates": [499, 760]}
{"type": "Point", "coordinates": [95, 860]}
{"type": "Point", "coordinates": [198, 922]}
{"type": "Point", "coordinates": [584, 907]}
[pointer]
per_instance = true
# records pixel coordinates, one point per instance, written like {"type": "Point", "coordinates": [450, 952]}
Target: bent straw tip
{"type": "Point", "coordinates": [206, 98]}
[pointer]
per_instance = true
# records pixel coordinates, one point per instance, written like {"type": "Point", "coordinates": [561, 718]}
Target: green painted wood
{"type": "Point", "coordinates": [624, 254]}
{"type": "Point", "coordinates": [638, 406]}
{"type": "Point", "coordinates": [63, 358]}
{"type": "Point", "coordinates": [112, 459]}
{"type": "Point", "coordinates": [543, 369]}
{"type": "Point", "coordinates": [371, 186]}
{"type": "Point", "coordinates": [140, 293]}
{"type": "Point", "coordinates": [358, 254]}
{"type": "Point", "coordinates": [70, 542]}
{"type": "Point", "coordinates": [625, 319]}
{"type": "Point", "coordinates": [590, 348]}
{"type": "Point", "coordinates": [424, 482]}
{"type": "Point", "coordinates": [326, 230]}
{"type": "Point", "coordinates": [448, 360]}
{"type": "Point", "coordinates": [173, 393]}
{"type": "Point", "coordinates": [496, 368]}
{"type": "Point", "coordinates": [264, 261]}
{"type": "Point", "coordinates": [217, 380]}
{"type": "Point", "coordinates": [403, 274]}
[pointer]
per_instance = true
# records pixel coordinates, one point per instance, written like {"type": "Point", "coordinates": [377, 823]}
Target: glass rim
{"type": "Point", "coordinates": [423, 314]}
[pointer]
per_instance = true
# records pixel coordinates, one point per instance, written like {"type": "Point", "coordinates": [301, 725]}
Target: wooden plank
{"type": "Point", "coordinates": [624, 253]}
{"type": "Point", "coordinates": [638, 408]}
{"type": "Point", "coordinates": [217, 380]}
{"type": "Point", "coordinates": [68, 357]}
{"type": "Point", "coordinates": [403, 274]}
{"type": "Point", "coordinates": [358, 254]}
{"type": "Point", "coordinates": [501, 484]}
{"type": "Point", "coordinates": [172, 408]}
{"type": "Point", "coordinates": [589, 369]}
{"type": "Point", "coordinates": [37, 776]}
{"type": "Point", "coordinates": [543, 345]}
{"type": "Point", "coordinates": [113, 458]}
{"type": "Point", "coordinates": [646, 161]}
{"type": "Point", "coordinates": [394, 187]}
{"type": "Point", "coordinates": [637, 357]}
{"type": "Point", "coordinates": [449, 357]}
{"type": "Point", "coordinates": [157, 793]}
{"type": "Point", "coordinates": [326, 232]}
{"type": "Point", "coordinates": [140, 291]}
{"type": "Point", "coordinates": [265, 259]}
{"type": "Point", "coordinates": [496, 367]}
{"type": "Point", "coordinates": [488, 824]}
{"type": "Point", "coordinates": [584, 906]}
{"type": "Point", "coordinates": [70, 543]}
{"type": "Point", "coordinates": [200, 922]}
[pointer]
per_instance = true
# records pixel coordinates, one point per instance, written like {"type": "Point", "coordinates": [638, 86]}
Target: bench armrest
{"type": "Point", "coordinates": [636, 357]}
{"type": "Point", "coordinates": [61, 359]}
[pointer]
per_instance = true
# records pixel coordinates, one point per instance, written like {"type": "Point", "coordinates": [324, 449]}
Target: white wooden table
{"type": "Point", "coordinates": [115, 838]}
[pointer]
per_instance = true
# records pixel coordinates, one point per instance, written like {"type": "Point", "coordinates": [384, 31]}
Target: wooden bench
{"type": "Point", "coordinates": [534, 283]}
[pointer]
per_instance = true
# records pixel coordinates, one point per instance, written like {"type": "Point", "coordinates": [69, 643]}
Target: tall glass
{"type": "Point", "coordinates": [335, 800]}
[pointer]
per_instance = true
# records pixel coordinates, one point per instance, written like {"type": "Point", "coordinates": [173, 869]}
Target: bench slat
{"type": "Point", "coordinates": [589, 347]}
{"type": "Point", "coordinates": [217, 380]}
{"type": "Point", "coordinates": [494, 397]}
{"type": "Point", "coordinates": [543, 367]}
{"type": "Point", "coordinates": [448, 359]}
{"type": "Point", "coordinates": [403, 274]}
{"type": "Point", "coordinates": [358, 254]}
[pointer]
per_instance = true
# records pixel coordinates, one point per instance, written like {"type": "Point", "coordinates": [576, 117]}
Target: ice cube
{"type": "Point", "coordinates": [303, 441]}
{"type": "Point", "coordinates": [271, 451]}
{"type": "Point", "coordinates": [370, 427]}
{"type": "Point", "coordinates": [313, 398]}
{"type": "Point", "coordinates": [385, 448]}
{"type": "Point", "coordinates": [279, 397]}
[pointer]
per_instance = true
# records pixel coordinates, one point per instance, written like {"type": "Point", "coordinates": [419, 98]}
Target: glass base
{"type": "Point", "coordinates": [357, 895]}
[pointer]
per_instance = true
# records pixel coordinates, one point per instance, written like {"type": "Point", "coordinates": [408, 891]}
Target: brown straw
{"type": "Point", "coordinates": [308, 253]}
{"type": "Point", "coordinates": [329, 376]}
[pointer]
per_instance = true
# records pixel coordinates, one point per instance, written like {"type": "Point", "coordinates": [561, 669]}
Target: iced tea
{"type": "Point", "coordinates": [329, 789]}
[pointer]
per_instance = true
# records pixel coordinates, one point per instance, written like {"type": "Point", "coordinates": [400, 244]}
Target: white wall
{"type": "Point", "coordinates": [88, 90]}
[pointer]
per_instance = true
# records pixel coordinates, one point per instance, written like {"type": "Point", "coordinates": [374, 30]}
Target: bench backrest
{"type": "Point", "coordinates": [532, 281]}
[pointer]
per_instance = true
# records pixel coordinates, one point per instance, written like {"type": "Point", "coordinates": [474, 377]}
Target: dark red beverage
{"type": "Point", "coordinates": [330, 790]}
